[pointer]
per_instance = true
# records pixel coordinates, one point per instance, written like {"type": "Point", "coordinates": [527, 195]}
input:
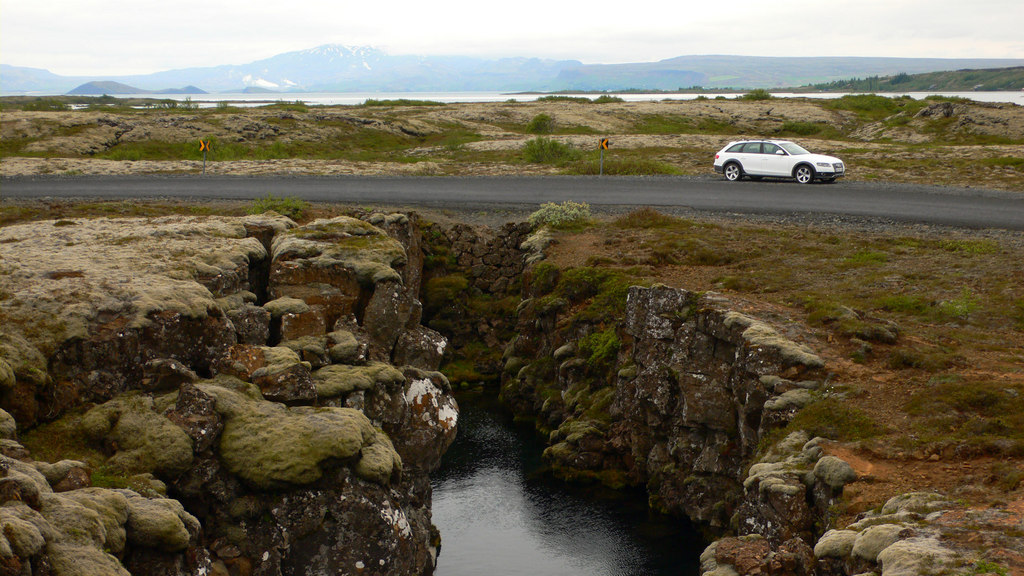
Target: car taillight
{"type": "Point", "coordinates": [716, 156]}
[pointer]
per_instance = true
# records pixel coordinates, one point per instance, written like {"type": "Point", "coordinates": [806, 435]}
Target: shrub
{"type": "Point", "coordinates": [541, 124]}
{"type": "Point", "coordinates": [575, 99]}
{"type": "Point", "coordinates": [567, 213]}
{"type": "Point", "coordinates": [757, 94]}
{"type": "Point", "coordinates": [288, 206]}
{"type": "Point", "coordinates": [547, 151]}
{"type": "Point", "coordinates": [605, 99]}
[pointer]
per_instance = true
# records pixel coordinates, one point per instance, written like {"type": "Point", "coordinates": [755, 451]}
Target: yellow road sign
{"type": "Point", "coordinates": [204, 145]}
{"type": "Point", "coordinates": [603, 145]}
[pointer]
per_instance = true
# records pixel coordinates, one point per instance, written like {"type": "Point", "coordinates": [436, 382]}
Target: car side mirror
{"type": "Point", "coordinates": [780, 152]}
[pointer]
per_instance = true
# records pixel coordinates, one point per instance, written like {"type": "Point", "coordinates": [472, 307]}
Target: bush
{"type": "Point", "coordinates": [567, 213]}
{"type": "Point", "coordinates": [757, 94]}
{"type": "Point", "coordinates": [290, 206]}
{"type": "Point", "coordinates": [548, 151]}
{"type": "Point", "coordinates": [574, 99]}
{"type": "Point", "coordinates": [608, 100]}
{"type": "Point", "coordinates": [541, 124]}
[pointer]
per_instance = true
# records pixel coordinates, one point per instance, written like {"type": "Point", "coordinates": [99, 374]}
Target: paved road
{"type": "Point", "coordinates": [962, 207]}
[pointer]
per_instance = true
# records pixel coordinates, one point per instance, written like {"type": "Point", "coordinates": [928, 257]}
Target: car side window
{"type": "Point", "coordinates": [735, 147]}
{"type": "Point", "coordinates": [770, 148]}
{"type": "Point", "coordinates": [752, 148]}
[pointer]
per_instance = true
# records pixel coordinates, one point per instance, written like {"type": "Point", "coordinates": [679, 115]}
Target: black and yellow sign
{"type": "Point", "coordinates": [204, 145]}
{"type": "Point", "coordinates": [603, 144]}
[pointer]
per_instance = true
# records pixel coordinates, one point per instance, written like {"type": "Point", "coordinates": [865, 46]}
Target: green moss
{"type": "Point", "coordinates": [269, 445]}
{"type": "Point", "coordinates": [146, 441]}
{"type": "Point", "coordinates": [600, 349]}
{"type": "Point", "coordinates": [339, 379]}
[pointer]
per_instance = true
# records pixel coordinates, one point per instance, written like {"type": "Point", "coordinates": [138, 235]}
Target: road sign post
{"type": "Point", "coordinates": [204, 147]}
{"type": "Point", "coordinates": [602, 145]}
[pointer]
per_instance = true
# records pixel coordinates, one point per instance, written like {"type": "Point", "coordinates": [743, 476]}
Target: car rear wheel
{"type": "Point", "coordinates": [804, 174]}
{"type": "Point", "coordinates": [732, 172]}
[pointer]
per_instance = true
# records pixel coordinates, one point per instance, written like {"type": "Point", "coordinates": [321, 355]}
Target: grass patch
{"type": "Point", "coordinates": [982, 415]}
{"type": "Point", "coordinates": [635, 166]}
{"type": "Point", "coordinates": [288, 206]}
{"type": "Point", "coordinates": [835, 419]}
{"type": "Point", "coordinates": [648, 218]}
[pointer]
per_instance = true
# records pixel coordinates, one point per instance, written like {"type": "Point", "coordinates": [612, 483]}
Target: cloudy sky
{"type": "Point", "coordinates": [113, 37]}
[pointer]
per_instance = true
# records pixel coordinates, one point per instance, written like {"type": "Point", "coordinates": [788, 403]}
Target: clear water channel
{"type": "Point", "coordinates": [499, 513]}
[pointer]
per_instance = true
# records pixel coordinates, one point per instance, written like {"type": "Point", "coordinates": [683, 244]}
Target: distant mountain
{"type": "Point", "coordinates": [101, 87]}
{"type": "Point", "coordinates": [337, 68]}
{"type": "Point", "coordinates": [717, 72]}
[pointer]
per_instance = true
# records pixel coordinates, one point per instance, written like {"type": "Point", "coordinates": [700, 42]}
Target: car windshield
{"type": "Point", "coordinates": [793, 149]}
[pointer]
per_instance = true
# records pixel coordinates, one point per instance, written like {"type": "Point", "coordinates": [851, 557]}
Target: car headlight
{"type": "Point", "coordinates": [824, 164]}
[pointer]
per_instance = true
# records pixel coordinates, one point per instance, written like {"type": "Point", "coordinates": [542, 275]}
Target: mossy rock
{"type": "Point", "coordinates": [8, 427]}
{"type": "Point", "coordinates": [159, 523]}
{"type": "Point", "coordinates": [21, 536]}
{"type": "Point", "coordinates": [112, 508]}
{"type": "Point", "coordinates": [367, 251]}
{"type": "Point", "coordinates": [286, 305]}
{"type": "Point", "coordinates": [145, 440]}
{"type": "Point", "coordinates": [759, 334]}
{"type": "Point", "coordinates": [69, 559]}
{"type": "Point", "coordinates": [269, 445]}
{"type": "Point", "coordinates": [340, 379]}
{"type": "Point", "coordinates": [344, 348]}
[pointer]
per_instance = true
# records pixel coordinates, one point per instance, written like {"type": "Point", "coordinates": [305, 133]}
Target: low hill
{"type": "Point", "coordinates": [994, 79]}
{"type": "Point", "coordinates": [106, 87]}
{"type": "Point", "coordinates": [110, 87]}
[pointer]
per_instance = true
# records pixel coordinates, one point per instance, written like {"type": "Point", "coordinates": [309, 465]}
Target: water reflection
{"type": "Point", "coordinates": [499, 515]}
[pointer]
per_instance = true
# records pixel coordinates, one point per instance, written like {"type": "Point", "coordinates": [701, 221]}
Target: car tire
{"type": "Point", "coordinates": [804, 174]}
{"type": "Point", "coordinates": [732, 172]}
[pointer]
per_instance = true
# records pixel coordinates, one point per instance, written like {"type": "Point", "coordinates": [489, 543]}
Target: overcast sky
{"type": "Point", "coordinates": [114, 37]}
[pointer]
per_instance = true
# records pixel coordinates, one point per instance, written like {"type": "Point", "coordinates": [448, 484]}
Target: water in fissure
{"type": "Point", "coordinates": [499, 513]}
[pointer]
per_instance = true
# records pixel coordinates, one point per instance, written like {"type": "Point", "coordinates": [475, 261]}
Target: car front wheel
{"type": "Point", "coordinates": [804, 174]}
{"type": "Point", "coordinates": [732, 172]}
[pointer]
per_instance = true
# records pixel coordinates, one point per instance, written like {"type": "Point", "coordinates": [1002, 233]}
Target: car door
{"type": "Point", "coordinates": [776, 160]}
{"type": "Point", "coordinates": [752, 159]}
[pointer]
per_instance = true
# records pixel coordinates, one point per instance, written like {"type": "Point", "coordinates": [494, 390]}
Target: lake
{"type": "Point", "coordinates": [354, 98]}
{"type": "Point", "coordinates": [499, 513]}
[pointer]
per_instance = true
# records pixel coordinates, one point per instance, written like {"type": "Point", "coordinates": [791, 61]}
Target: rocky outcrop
{"type": "Point", "coordinates": [245, 366]}
{"type": "Point", "coordinates": [679, 408]}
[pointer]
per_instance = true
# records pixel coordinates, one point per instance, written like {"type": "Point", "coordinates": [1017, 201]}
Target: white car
{"type": "Point", "coordinates": [776, 159]}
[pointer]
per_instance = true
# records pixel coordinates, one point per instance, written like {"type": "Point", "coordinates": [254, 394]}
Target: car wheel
{"type": "Point", "coordinates": [732, 172]}
{"type": "Point", "coordinates": [804, 174]}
